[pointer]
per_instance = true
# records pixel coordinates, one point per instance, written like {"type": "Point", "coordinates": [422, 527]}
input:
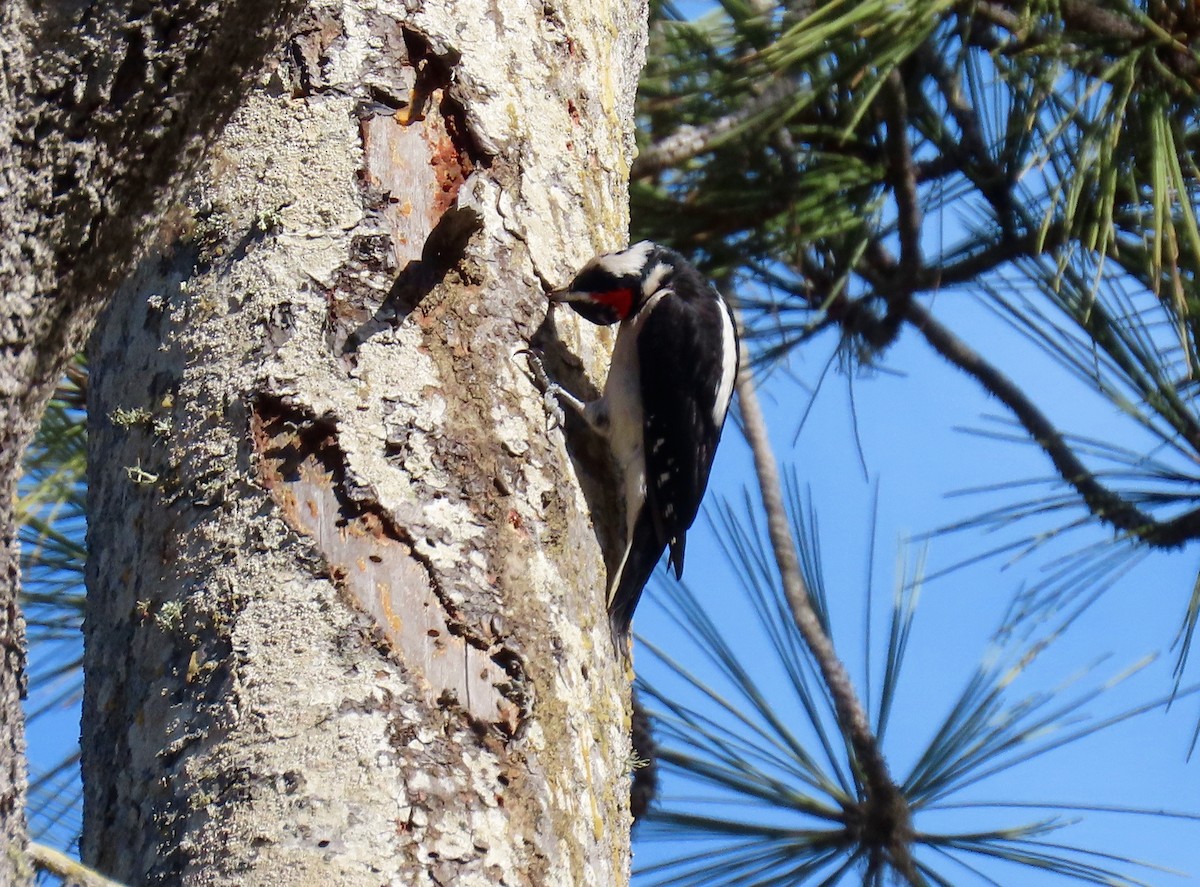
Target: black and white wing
{"type": "Point", "coordinates": [688, 360]}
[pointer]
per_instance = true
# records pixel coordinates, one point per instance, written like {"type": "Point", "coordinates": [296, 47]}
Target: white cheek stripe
{"type": "Point", "coordinates": [729, 357]}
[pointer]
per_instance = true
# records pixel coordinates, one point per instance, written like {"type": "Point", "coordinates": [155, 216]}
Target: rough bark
{"type": "Point", "coordinates": [103, 109]}
{"type": "Point", "coordinates": [347, 616]}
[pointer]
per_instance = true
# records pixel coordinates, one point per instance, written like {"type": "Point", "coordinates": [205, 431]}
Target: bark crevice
{"type": "Point", "coordinates": [375, 562]}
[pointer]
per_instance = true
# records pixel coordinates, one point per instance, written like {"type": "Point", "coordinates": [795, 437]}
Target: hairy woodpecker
{"type": "Point", "coordinates": [664, 403]}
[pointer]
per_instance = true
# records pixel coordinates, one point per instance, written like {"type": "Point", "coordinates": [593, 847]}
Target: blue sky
{"type": "Point", "coordinates": [907, 422]}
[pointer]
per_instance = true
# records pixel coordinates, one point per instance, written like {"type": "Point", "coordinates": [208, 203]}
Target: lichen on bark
{"type": "Point", "coordinates": [342, 443]}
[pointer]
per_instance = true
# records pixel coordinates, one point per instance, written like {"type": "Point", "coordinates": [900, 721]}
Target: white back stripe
{"type": "Point", "coordinates": [729, 361]}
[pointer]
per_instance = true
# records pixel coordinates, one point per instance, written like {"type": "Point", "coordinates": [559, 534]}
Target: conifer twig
{"type": "Point", "coordinates": [882, 822]}
{"type": "Point", "coordinates": [72, 871]}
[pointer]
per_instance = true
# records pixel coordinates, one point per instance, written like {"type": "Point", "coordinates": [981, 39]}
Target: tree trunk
{"type": "Point", "coordinates": [103, 110]}
{"type": "Point", "coordinates": [346, 604]}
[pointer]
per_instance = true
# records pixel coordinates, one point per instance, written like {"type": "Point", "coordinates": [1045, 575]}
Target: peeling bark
{"type": "Point", "coordinates": [374, 563]}
{"type": "Point", "coordinates": [347, 604]}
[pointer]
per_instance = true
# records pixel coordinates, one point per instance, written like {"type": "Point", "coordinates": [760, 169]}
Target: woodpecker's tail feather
{"type": "Point", "coordinates": [677, 545]}
{"type": "Point", "coordinates": [641, 556]}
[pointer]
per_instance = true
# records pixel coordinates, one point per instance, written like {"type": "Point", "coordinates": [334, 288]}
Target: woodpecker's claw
{"type": "Point", "coordinates": [555, 418]}
{"type": "Point", "coordinates": [536, 370]}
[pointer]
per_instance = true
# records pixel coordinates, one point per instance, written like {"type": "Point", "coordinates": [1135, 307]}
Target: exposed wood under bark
{"type": "Point", "coordinates": [326, 357]}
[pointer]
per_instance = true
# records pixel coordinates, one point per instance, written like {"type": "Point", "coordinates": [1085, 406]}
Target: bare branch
{"type": "Point", "coordinates": [690, 141]}
{"type": "Point", "coordinates": [904, 180]}
{"type": "Point", "coordinates": [883, 821]}
{"type": "Point", "coordinates": [903, 176]}
{"type": "Point", "coordinates": [72, 871]}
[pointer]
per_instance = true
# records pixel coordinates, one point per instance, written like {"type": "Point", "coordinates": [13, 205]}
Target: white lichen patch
{"type": "Point", "coordinates": [281, 146]}
{"type": "Point", "coordinates": [349, 760]}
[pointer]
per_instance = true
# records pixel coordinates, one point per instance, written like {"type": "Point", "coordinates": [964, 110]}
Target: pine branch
{"type": "Point", "coordinates": [1086, 21]}
{"type": "Point", "coordinates": [73, 872]}
{"type": "Point", "coordinates": [880, 269]}
{"type": "Point", "coordinates": [882, 822]}
{"type": "Point", "coordinates": [689, 141]}
{"type": "Point", "coordinates": [1107, 505]}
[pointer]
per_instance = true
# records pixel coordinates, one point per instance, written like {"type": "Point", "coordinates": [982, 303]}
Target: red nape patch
{"type": "Point", "coordinates": [620, 301]}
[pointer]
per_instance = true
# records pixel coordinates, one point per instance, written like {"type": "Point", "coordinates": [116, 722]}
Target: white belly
{"type": "Point", "coordinates": [623, 401]}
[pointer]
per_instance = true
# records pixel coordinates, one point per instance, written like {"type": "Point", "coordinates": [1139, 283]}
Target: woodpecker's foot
{"type": "Point", "coordinates": [538, 372]}
{"type": "Point", "coordinates": [551, 392]}
{"type": "Point", "coordinates": [555, 417]}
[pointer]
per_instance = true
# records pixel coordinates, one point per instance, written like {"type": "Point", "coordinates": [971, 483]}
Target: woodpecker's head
{"type": "Point", "coordinates": [615, 286]}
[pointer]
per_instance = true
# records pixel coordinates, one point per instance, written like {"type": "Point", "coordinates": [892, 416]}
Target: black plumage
{"type": "Point", "coordinates": [681, 364]}
{"type": "Point", "coordinates": [679, 393]}
{"type": "Point", "coordinates": [665, 400]}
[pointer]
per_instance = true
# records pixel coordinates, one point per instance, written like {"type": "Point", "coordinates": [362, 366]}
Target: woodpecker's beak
{"type": "Point", "coordinates": [567, 295]}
